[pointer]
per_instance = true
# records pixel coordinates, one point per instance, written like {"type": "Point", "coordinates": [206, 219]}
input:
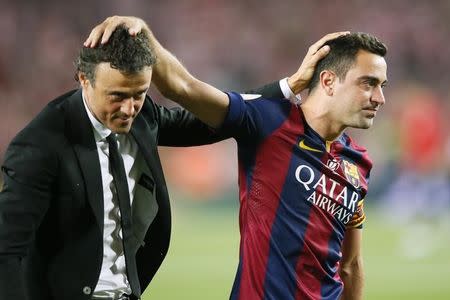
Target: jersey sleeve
{"type": "Point", "coordinates": [251, 117]}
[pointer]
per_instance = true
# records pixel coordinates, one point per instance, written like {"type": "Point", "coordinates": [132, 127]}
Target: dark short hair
{"type": "Point", "coordinates": [343, 53]}
{"type": "Point", "coordinates": [124, 52]}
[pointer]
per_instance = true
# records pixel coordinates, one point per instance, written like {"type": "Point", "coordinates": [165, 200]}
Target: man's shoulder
{"type": "Point", "coordinates": [48, 124]}
{"type": "Point", "coordinates": [255, 117]}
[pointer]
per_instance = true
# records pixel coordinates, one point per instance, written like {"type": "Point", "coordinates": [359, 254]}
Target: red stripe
{"type": "Point", "coordinates": [315, 250]}
{"type": "Point", "coordinates": [243, 204]}
{"type": "Point", "coordinates": [259, 210]}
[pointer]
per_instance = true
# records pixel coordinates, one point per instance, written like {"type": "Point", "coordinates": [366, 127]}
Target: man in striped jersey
{"type": "Point", "coordinates": [302, 180]}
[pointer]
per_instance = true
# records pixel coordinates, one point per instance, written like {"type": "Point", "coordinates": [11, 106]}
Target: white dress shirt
{"type": "Point", "coordinates": [288, 93]}
{"type": "Point", "coordinates": [113, 280]}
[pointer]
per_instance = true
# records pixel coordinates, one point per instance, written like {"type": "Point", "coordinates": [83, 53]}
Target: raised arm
{"type": "Point", "coordinates": [173, 80]}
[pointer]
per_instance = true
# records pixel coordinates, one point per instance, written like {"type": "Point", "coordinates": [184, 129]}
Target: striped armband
{"type": "Point", "coordinates": [358, 217]}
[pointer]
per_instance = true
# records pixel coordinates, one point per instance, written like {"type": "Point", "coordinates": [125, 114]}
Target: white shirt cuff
{"type": "Point", "coordinates": [288, 93]}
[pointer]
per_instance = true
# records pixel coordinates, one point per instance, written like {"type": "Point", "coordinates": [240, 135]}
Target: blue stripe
{"type": "Point", "coordinates": [287, 239]}
{"type": "Point", "coordinates": [330, 288]}
{"type": "Point", "coordinates": [247, 159]}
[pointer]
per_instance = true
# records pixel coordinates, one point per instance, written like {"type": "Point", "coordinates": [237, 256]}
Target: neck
{"type": "Point", "coordinates": [319, 117]}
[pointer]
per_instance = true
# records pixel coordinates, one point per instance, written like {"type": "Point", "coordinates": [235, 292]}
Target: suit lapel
{"type": "Point", "coordinates": [157, 237]}
{"type": "Point", "coordinates": [147, 145]}
{"type": "Point", "coordinates": [83, 141]}
{"type": "Point", "coordinates": [146, 140]}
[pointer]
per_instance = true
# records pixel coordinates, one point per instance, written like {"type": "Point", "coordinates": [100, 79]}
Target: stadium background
{"type": "Point", "coordinates": [242, 44]}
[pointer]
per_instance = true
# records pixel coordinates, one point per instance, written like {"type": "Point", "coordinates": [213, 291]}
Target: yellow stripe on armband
{"type": "Point", "coordinates": [358, 217]}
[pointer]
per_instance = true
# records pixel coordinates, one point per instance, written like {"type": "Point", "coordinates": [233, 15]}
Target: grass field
{"type": "Point", "coordinates": [401, 262]}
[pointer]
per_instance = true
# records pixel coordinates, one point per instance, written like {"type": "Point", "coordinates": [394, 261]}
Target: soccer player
{"type": "Point", "coordinates": [302, 179]}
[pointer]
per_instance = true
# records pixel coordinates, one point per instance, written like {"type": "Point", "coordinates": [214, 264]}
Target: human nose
{"type": "Point", "coordinates": [128, 107]}
{"type": "Point", "coordinates": [378, 96]}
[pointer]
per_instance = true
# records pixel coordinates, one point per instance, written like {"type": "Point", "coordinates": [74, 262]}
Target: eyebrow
{"type": "Point", "coordinates": [124, 94]}
{"type": "Point", "coordinates": [372, 79]}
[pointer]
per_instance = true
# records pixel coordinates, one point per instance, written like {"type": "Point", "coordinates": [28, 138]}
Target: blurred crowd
{"type": "Point", "coordinates": [240, 45]}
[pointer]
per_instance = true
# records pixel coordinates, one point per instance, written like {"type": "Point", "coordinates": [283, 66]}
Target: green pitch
{"type": "Point", "coordinates": [401, 262]}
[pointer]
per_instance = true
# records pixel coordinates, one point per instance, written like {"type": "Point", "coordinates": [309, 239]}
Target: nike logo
{"type": "Point", "coordinates": [304, 146]}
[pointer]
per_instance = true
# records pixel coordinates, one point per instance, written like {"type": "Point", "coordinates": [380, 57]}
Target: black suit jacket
{"type": "Point", "coordinates": [51, 205]}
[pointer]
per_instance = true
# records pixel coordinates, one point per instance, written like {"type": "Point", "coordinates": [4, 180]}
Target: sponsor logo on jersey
{"type": "Point", "coordinates": [351, 172]}
{"type": "Point", "coordinates": [302, 145]}
{"type": "Point", "coordinates": [335, 197]}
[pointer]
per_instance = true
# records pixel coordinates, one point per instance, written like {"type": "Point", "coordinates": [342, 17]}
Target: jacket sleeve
{"type": "Point", "coordinates": [28, 173]}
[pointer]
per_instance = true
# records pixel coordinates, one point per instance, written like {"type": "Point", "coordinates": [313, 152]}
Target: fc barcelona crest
{"type": "Point", "coordinates": [352, 174]}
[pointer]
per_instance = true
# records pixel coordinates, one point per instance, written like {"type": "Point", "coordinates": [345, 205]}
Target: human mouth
{"type": "Point", "coordinates": [124, 121]}
{"type": "Point", "coordinates": [371, 111]}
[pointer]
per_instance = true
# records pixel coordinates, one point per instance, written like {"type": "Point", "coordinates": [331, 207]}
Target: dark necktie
{"type": "Point", "coordinates": [120, 180]}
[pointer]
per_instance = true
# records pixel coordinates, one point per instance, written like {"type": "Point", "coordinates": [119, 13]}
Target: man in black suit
{"type": "Point", "coordinates": [84, 210]}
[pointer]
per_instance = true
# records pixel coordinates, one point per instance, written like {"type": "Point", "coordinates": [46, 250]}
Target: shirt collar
{"type": "Point", "coordinates": [100, 130]}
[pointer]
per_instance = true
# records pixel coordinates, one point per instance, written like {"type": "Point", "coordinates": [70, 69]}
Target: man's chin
{"type": "Point", "coordinates": [367, 124]}
{"type": "Point", "coordinates": [120, 126]}
{"type": "Point", "coordinates": [364, 124]}
{"type": "Point", "coordinates": [121, 129]}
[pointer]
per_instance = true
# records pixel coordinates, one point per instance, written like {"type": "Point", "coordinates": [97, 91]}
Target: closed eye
{"type": "Point", "coordinates": [119, 96]}
{"type": "Point", "coordinates": [116, 96]}
{"type": "Point", "coordinates": [139, 95]}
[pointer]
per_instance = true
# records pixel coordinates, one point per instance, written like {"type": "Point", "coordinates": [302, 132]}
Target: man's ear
{"type": "Point", "coordinates": [84, 81]}
{"type": "Point", "coordinates": [327, 80]}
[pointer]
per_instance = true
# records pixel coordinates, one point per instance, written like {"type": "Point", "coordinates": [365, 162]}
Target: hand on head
{"type": "Point", "coordinates": [300, 79]}
{"type": "Point", "coordinates": [102, 32]}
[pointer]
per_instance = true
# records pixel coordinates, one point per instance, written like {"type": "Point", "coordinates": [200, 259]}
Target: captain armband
{"type": "Point", "coordinates": [358, 217]}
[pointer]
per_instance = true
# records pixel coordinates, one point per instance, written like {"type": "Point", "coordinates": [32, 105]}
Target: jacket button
{"type": "Point", "coordinates": [87, 290]}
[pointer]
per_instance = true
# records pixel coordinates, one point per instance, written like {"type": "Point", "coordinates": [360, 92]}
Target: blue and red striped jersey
{"type": "Point", "coordinates": [298, 194]}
